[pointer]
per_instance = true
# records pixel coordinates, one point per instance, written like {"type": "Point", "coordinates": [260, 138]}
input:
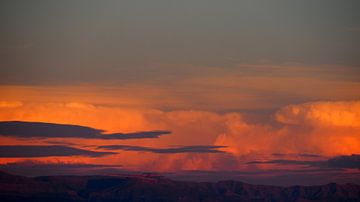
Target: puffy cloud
{"type": "Point", "coordinates": [188, 126]}
{"type": "Point", "coordinates": [243, 138]}
{"type": "Point", "coordinates": [346, 114]}
{"type": "Point", "coordinates": [324, 128]}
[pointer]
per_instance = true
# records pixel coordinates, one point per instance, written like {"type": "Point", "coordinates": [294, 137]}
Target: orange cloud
{"type": "Point", "coordinates": [10, 104]}
{"type": "Point", "coordinates": [332, 114]}
{"type": "Point", "coordinates": [324, 128]}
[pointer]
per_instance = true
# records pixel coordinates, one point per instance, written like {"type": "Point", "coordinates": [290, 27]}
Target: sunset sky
{"type": "Point", "coordinates": [259, 91]}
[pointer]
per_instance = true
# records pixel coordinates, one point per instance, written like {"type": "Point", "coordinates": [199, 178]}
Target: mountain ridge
{"type": "Point", "coordinates": [157, 188]}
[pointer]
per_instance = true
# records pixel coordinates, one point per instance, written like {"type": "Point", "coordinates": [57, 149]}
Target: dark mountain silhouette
{"type": "Point", "coordinates": [149, 187]}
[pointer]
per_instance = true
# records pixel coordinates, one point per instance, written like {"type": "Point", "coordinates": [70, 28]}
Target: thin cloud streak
{"type": "Point", "coordinates": [37, 168]}
{"type": "Point", "coordinates": [29, 151]}
{"type": "Point", "coordinates": [298, 155]}
{"type": "Point", "coordinates": [184, 149]}
{"type": "Point", "coordinates": [351, 161]}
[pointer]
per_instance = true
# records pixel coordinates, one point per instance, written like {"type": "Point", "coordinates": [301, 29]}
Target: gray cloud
{"type": "Point", "coordinates": [19, 151]}
{"type": "Point", "coordinates": [351, 161]}
{"type": "Point", "coordinates": [52, 130]}
{"type": "Point", "coordinates": [183, 149]}
{"type": "Point", "coordinates": [165, 35]}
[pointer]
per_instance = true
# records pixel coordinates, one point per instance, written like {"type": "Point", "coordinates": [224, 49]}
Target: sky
{"type": "Point", "coordinates": [258, 91]}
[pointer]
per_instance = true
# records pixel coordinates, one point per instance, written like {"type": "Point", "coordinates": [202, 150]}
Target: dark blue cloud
{"type": "Point", "coordinates": [285, 161]}
{"type": "Point", "coordinates": [18, 151]}
{"type": "Point", "coordinates": [52, 130]}
{"type": "Point", "coordinates": [184, 149]}
{"type": "Point", "coordinates": [298, 155]}
{"type": "Point", "coordinates": [35, 168]}
{"type": "Point", "coordinates": [351, 161]}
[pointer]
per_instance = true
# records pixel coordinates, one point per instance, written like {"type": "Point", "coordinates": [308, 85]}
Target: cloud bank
{"type": "Point", "coordinates": [309, 133]}
{"type": "Point", "coordinates": [321, 128]}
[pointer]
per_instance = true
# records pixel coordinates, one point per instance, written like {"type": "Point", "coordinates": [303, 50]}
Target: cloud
{"type": "Point", "coordinates": [285, 162]}
{"type": "Point", "coordinates": [321, 128]}
{"type": "Point", "coordinates": [52, 130]}
{"type": "Point", "coordinates": [10, 104]}
{"type": "Point", "coordinates": [66, 143]}
{"type": "Point", "coordinates": [255, 140]}
{"type": "Point", "coordinates": [297, 155]}
{"type": "Point", "coordinates": [25, 151]}
{"type": "Point", "coordinates": [342, 114]}
{"type": "Point", "coordinates": [184, 149]}
{"type": "Point", "coordinates": [37, 168]}
{"type": "Point", "coordinates": [351, 161]}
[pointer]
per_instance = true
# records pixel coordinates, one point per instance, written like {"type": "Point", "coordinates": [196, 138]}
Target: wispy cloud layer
{"type": "Point", "coordinates": [351, 161]}
{"type": "Point", "coordinates": [37, 168]}
{"type": "Point", "coordinates": [184, 149]}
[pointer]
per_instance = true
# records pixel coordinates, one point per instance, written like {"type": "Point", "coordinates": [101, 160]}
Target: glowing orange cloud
{"type": "Point", "coordinates": [346, 114]}
{"type": "Point", "coordinates": [324, 128]}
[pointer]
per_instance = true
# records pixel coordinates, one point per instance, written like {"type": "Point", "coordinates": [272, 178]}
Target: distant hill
{"type": "Point", "coordinates": [156, 188]}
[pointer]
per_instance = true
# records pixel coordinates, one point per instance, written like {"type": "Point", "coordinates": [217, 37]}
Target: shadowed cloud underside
{"type": "Point", "coordinates": [184, 149]}
{"type": "Point", "coordinates": [18, 151]}
{"type": "Point", "coordinates": [52, 130]}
